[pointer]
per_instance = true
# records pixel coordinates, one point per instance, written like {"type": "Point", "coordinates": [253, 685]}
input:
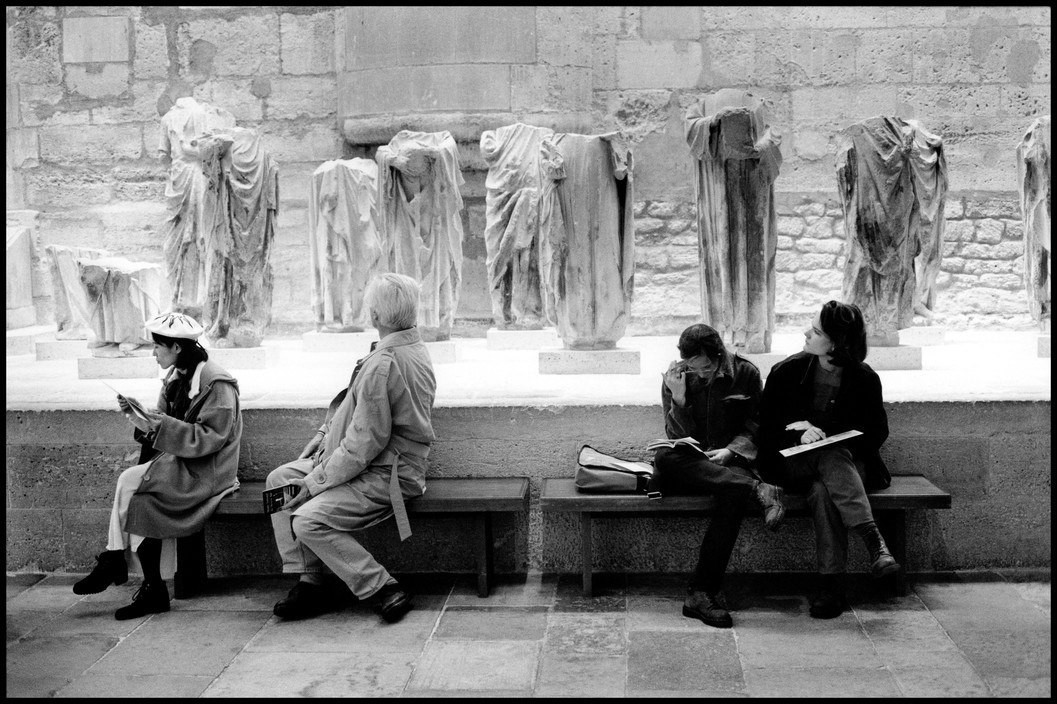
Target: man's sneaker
{"type": "Point", "coordinates": [148, 599]}
{"type": "Point", "coordinates": [769, 497]}
{"type": "Point", "coordinates": [110, 568]}
{"type": "Point", "coordinates": [305, 600]}
{"type": "Point", "coordinates": [705, 606]}
{"type": "Point", "coordinates": [392, 601]}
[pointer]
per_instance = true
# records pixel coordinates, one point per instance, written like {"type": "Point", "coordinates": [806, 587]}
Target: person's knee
{"type": "Point", "coordinates": [280, 476]}
{"type": "Point", "coordinates": [817, 493]}
{"type": "Point", "coordinates": [306, 528]}
{"type": "Point", "coordinates": [130, 478]}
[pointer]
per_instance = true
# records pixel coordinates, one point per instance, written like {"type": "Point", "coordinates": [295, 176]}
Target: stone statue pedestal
{"type": "Point", "coordinates": [133, 367]}
{"type": "Point", "coordinates": [565, 361]}
{"type": "Point", "coordinates": [354, 344]}
{"type": "Point", "coordinates": [892, 358]}
{"type": "Point", "coordinates": [1044, 346]}
{"type": "Point", "coordinates": [923, 335]}
{"type": "Point", "coordinates": [764, 360]}
{"type": "Point", "coordinates": [244, 357]}
{"type": "Point", "coordinates": [21, 340]}
{"type": "Point", "coordinates": [444, 352]}
{"type": "Point", "coordinates": [51, 348]}
{"type": "Point", "coordinates": [522, 339]}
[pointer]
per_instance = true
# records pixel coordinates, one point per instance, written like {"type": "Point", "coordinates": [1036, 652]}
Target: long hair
{"type": "Point", "coordinates": [190, 354]}
{"type": "Point", "coordinates": [703, 339]}
{"type": "Point", "coordinates": [844, 326]}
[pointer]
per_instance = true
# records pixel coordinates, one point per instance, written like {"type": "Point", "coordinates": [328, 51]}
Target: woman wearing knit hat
{"type": "Point", "coordinates": [188, 463]}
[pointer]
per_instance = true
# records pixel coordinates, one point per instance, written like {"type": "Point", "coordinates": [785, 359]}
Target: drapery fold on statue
{"type": "Point", "coordinates": [420, 218]}
{"type": "Point", "coordinates": [512, 224]}
{"type": "Point", "coordinates": [343, 243]}
{"type": "Point", "coordinates": [892, 180]}
{"type": "Point", "coordinates": [1033, 179]}
{"type": "Point", "coordinates": [587, 259]}
{"type": "Point", "coordinates": [737, 159]}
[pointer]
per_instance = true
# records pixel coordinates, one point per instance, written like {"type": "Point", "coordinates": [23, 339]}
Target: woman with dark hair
{"type": "Point", "coordinates": [713, 396]}
{"type": "Point", "coordinates": [188, 463]}
{"type": "Point", "coordinates": [824, 390]}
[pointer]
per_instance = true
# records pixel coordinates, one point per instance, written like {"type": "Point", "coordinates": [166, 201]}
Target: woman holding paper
{"type": "Point", "coordinates": [188, 464]}
{"type": "Point", "coordinates": [822, 391]}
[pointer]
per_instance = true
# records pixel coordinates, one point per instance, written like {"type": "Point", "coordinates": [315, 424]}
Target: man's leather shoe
{"type": "Point", "coordinates": [110, 568]}
{"type": "Point", "coordinates": [393, 602]}
{"type": "Point", "coordinates": [305, 600]}
{"type": "Point", "coordinates": [704, 606]}
{"type": "Point", "coordinates": [769, 497]}
{"type": "Point", "coordinates": [148, 599]}
{"type": "Point", "coordinates": [830, 601]}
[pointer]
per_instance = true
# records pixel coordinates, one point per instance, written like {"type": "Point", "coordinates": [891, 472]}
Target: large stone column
{"type": "Point", "coordinates": [1033, 180]}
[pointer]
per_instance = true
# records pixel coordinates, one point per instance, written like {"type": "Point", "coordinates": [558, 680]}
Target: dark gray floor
{"type": "Point", "coordinates": [954, 635]}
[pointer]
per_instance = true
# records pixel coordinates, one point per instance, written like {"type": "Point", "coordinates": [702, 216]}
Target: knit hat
{"type": "Point", "coordinates": [176, 325]}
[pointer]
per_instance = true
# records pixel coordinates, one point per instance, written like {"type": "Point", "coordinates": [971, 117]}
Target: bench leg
{"type": "Point", "coordinates": [893, 526]}
{"type": "Point", "coordinates": [586, 553]}
{"type": "Point", "coordinates": [190, 575]}
{"type": "Point", "coordinates": [485, 566]}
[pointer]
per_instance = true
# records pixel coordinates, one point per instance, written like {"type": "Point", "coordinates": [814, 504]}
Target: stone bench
{"type": "Point", "coordinates": [908, 491]}
{"type": "Point", "coordinates": [477, 497]}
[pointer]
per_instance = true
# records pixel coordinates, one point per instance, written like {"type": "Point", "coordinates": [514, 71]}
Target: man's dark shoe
{"type": "Point", "coordinates": [830, 601]}
{"type": "Point", "coordinates": [705, 606]}
{"type": "Point", "coordinates": [882, 563]}
{"type": "Point", "coordinates": [770, 497]}
{"type": "Point", "coordinates": [149, 599]}
{"type": "Point", "coordinates": [393, 602]}
{"type": "Point", "coordinates": [305, 600]}
{"type": "Point", "coordinates": [110, 568]}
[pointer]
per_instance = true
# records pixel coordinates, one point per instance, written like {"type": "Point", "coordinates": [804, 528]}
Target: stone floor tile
{"type": "Point", "coordinates": [1012, 654]}
{"type": "Point", "coordinates": [673, 660]}
{"type": "Point", "coordinates": [38, 667]}
{"type": "Point", "coordinates": [1035, 593]}
{"type": "Point", "coordinates": [909, 629]}
{"type": "Point", "coordinates": [937, 658]}
{"type": "Point", "coordinates": [981, 606]}
{"type": "Point", "coordinates": [658, 613]}
{"type": "Point", "coordinates": [19, 582]}
{"type": "Point", "coordinates": [88, 617]}
{"type": "Point", "coordinates": [468, 694]}
{"type": "Point", "coordinates": [786, 682]}
{"type": "Point", "coordinates": [532, 589]}
{"type": "Point", "coordinates": [581, 675]}
{"type": "Point", "coordinates": [1020, 687]}
{"type": "Point", "coordinates": [585, 634]}
{"type": "Point", "coordinates": [476, 666]}
{"type": "Point", "coordinates": [934, 677]}
{"type": "Point", "coordinates": [677, 694]}
{"type": "Point", "coordinates": [295, 674]}
{"type": "Point", "coordinates": [609, 594]}
{"type": "Point", "coordinates": [53, 593]}
{"type": "Point", "coordinates": [189, 643]}
{"type": "Point", "coordinates": [352, 630]}
{"type": "Point", "coordinates": [784, 641]}
{"type": "Point", "coordinates": [238, 594]}
{"type": "Point", "coordinates": [22, 623]}
{"type": "Point", "coordinates": [492, 623]}
{"type": "Point", "coordinates": [139, 686]}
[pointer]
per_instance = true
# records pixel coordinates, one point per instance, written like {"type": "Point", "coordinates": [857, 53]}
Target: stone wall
{"type": "Point", "coordinates": [87, 86]}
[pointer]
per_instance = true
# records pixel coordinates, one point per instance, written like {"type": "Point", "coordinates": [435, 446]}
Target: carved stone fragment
{"type": "Point", "coordinates": [587, 260]}
{"type": "Point", "coordinates": [343, 242]}
{"type": "Point", "coordinates": [72, 310]}
{"type": "Point", "coordinates": [892, 180]}
{"type": "Point", "coordinates": [121, 296]}
{"type": "Point", "coordinates": [737, 159]}
{"type": "Point", "coordinates": [1033, 181]}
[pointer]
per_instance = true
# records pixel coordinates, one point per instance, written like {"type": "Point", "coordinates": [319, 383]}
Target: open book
{"type": "Point", "coordinates": [675, 442]}
{"type": "Point", "coordinates": [832, 439]}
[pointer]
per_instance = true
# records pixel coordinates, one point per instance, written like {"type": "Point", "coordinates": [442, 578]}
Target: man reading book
{"type": "Point", "coordinates": [713, 396]}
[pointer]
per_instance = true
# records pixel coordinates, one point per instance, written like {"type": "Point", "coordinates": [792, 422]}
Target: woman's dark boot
{"type": "Point", "coordinates": [830, 601]}
{"type": "Point", "coordinates": [151, 598]}
{"type": "Point", "coordinates": [881, 561]}
{"type": "Point", "coordinates": [110, 568]}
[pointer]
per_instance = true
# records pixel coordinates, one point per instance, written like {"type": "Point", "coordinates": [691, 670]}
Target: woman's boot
{"type": "Point", "coordinates": [153, 596]}
{"type": "Point", "coordinates": [110, 568]}
{"type": "Point", "coordinates": [881, 561]}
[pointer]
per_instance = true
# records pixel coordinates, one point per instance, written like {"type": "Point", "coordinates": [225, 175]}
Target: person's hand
{"type": "Point", "coordinates": [301, 497]}
{"type": "Point", "coordinates": [312, 446]}
{"type": "Point", "coordinates": [675, 380]}
{"type": "Point", "coordinates": [811, 433]}
{"type": "Point", "coordinates": [721, 456]}
{"type": "Point", "coordinates": [124, 404]}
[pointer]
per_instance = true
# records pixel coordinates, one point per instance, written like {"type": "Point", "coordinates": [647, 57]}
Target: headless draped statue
{"type": "Point", "coordinates": [223, 198]}
{"type": "Point", "coordinates": [1033, 180]}
{"type": "Point", "coordinates": [587, 257]}
{"type": "Point", "coordinates": [892, 180]}
{"type": "Point", "coordinates": [420, 218]}
{"type": "Point", "coordinates": [737, 159]}
{"type": "Point", "coordinates": [512, 224]}
{"type": "Point", "coordinates": [121, 296]}
{"type": "Point", "coordinates": [73, 314]}
{"type": "Point", "coordinates": [344, 242]}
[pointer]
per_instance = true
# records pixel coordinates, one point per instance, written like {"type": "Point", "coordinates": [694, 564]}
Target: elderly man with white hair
{"type": "Point", "coordinates": [367, 457]}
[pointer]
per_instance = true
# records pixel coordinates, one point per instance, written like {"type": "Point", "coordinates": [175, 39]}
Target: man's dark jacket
{"type": "Point", "coordinates": [858, 405]}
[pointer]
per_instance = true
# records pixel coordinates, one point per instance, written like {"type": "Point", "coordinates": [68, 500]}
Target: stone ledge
{"type": "Point", "coordinates": [564, 361]}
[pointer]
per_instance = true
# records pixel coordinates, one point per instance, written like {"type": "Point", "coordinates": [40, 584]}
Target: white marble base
{"type": "Point", "coordinates": [354, 344]}
{"type": "Point", "coordinates": [444, 352]}
{"type": "Point", "coordinates": [244, 357]}
{"type": "Point", "coordinates": [764, 360]}
{"type": "Point", "coordinates": [1044, 346]}
{"type": "Point", "coordinates": [522, 339]}
{"type": "Point", "coordinates": [892, 358]}
{"type": "Point", "coordinates": [923, 335]}
{"type": "Point", "coordinates": [21, 340]}
{"type": "Point", "coordinates": [61, 349]}
{"type": "Point", "coordinates": [15, 318]}
{"type": "Point", "coordinates": [117, 368]}
{"type": "Point", "coordinates": [615, 361]}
